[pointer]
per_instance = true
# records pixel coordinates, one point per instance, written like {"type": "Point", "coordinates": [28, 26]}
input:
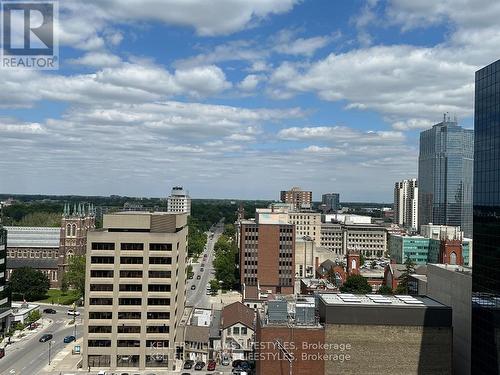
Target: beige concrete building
{"type": "Point", "coordinates": [135, 290]}
{"type": "Point", "coordinates": [308, 257]}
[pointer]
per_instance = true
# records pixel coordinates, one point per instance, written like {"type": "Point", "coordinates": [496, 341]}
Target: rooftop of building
{"type": "Point", "coordinates": [143, 221]}
{"type": "Point", "coordinates": [367, 300]}
{"type": "Point", "coordinates": [235, 313]}
{"type": "Point", "coordinates": [453, 267]}
{"type": "Point", "coordinates": [42, 237]}
{"type": "Point", "coordinates": [317, 284]}
{"type": "Point", "coordinates": [289, 311]}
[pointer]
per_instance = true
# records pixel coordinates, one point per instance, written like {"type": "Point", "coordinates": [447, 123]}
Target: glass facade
{"type": "Point", "coordinates": [486, 253]}
{"type": "Point", "coordinates": [4, 291]}
{"type": "Point", "coordinates": [445, 176]}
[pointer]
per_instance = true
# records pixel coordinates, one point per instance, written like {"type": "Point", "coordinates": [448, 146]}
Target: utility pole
{"type": "Point", "coordinates": [50, 345]}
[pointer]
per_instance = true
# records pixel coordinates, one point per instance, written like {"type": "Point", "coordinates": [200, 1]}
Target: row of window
{"type": "Point", "coordinates": [131, 343]}
{"type": "Point", "coordinates": [129, 260]}
{"type": "Point", "coordinates": [130, 287]}
{"type": "Point", "coordinates": [131, 246]}
{"type": "Point", "coordinates": [131, 274]}
{"type": "Point", "coordinates": [130, 301]}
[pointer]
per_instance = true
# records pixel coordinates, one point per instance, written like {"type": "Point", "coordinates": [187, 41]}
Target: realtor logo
{"type": "Point", "coordinates": [29, 35]}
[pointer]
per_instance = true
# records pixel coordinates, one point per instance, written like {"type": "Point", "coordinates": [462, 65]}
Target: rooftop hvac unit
{"type": "Point", "coordinates": [277, 311]}
{"type": "Point", "coordinates": [305, 315]}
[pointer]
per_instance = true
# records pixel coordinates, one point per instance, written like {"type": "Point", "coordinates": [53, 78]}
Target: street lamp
{"type": "Point", "coordinates": [50, 345]}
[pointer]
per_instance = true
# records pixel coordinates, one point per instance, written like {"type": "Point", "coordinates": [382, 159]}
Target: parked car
{"type": "Point", "coordinates": [73, 313]}
{"type": "Point", "coordinates": [188, 365]}
{"type": "Point", "coordinates": [198, 277]}
{"type": "Point", "coordinates": [202, 269]}
{"type": "Point", "coordinates": [193, 287]}
{"type": "Point", "coordinates": [225, 361]}
{"type": "Point", "coordinates": [49, 311]}
{"type": "Point", "coordinates": [199, 366]}
{"type": "Point", "coordinates": [70, 338]}
{"type": "Point", "coordinates": [46, 337]}
{"type": "Point", "coordinates": [211, 365]}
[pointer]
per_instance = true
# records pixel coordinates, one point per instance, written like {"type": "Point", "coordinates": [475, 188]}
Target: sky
{"type": "Point", "coordinates": [241, 98]}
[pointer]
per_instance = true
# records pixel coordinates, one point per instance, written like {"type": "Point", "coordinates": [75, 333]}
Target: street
{"type": "Point", "coordinates": [199, 297]}
{"type": "Point", "coordinates": [29, 356]}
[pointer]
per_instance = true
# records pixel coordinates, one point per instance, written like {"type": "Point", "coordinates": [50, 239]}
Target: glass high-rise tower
{"type": "Point", "coordinates": [445, 176]}
{"type": "Point", "coordinates": [486, 255]}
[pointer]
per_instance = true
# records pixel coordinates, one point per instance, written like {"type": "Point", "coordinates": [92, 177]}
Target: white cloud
{"type": "Point", "coordinates": [340, 134]}
{"type": "Point", "coordinates": [97, 59]}
{"type": "Point", "coordinates": [249, 83]}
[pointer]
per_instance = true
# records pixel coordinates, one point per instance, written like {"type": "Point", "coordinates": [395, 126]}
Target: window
{"type": "Point", "coordinates": [160, 246]}
{"type": "Point", "coordinates": [132, 246]}
{"type": "Point", "coordinates": [99, 329]}
{"type": "Point", "coordinates": [158, 315]}
{"type": "Point", "coordinates": [131, 274]}
{"type": "Point", "coordinates": [131, 260]}
{"type": "Point", "coordinates": [129, 329]}
{"type": "Point", "coordinates": [158, 329]}
{"type": "Point", "coordinates": [101, 287]}
{"type": "Point", "coordinates": [100, 315]}
{"type": "Point", "coordinates": [99, 343]}
{"type": "Point", "coordinates": [243, 330]}
{"type": "Point", "coordinates": [130, 287]}
{"type": "Point", "coordinates": [160, 260]}
{"type": "Point", "coordinates": [129, 315]}
{"type": "Point", "coordinates": [129, 301]}
{"type": "Point", "coordinates": [101, 301]}
{"type": "Point", "coordinates": [236, 330]}
{"type": "Point", "coordinates": [102, 260]}
{"type": "Point", "coordinates": [101, 273]}
{"type": "Point", "coordinates": [128, 343]}
{"type": "Point", "coordinates": [160, 274]}
{"type": "Point", "coordinates": [159, 288]}
{"type": "Point", "coordinates": [103, 246]}
{"type": "Point", "coordinates": [158, 301]}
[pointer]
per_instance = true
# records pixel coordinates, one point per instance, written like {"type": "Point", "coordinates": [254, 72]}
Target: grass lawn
{"type": "Point", "coordinates": [56, 296]}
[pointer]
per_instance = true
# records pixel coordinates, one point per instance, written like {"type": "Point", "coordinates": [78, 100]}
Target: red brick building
{"type": "Point", "coordinates": [267, 262]}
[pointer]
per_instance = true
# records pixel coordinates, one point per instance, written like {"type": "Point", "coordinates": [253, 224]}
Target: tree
{"type": "Point", "coordinates": [356, 284]}
{"type": "Point", "coordinates": [214, 287]}
{"type": "Point", "coordinates": [373, 264]}
{"type": "Point", "coordinates": [404, 279]}
{"type": "Point", "coordinates": [29, 284]}
{"type": "Point", "coordinates": [34, 316]}
{"type": "Point", "coordinates": [229, 230]}
{"type": "Point", "coordinates": [189, 271]}
{"type": "Point", "coordinates": [225, 262]}
{"type": "Point", "coordinates": [362, 260]}
{"type": "Point", "coordinates": [75, 275]}
{"type": "Point", "coordinates": [384, 289]}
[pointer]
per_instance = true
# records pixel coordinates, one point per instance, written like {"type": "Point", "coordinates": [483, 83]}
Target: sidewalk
{"type": "Point", "coordinates": [65, 361]}
{"type": "Point", "coordinates": [26, 334]}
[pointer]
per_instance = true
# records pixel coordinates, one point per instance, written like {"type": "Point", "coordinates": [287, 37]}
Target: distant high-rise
{"type": "Point", "coordinates": [330, 202]}
{"type": "Point", "coordinates": [299, 198]}
{"type": "Point", "coordinates": [406, 203]}
{"type": "Point", "coordinates": [486, 254]}
{"type": "Point", "coordinates": [4, 292]}
{"type": "Point", "coordinates": [179, 201]}
{"type": "Point", "coordinates": [445, 176]}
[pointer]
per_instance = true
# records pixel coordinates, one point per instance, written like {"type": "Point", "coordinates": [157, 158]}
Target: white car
{"type": "Point", "coordinates": [73, 313]}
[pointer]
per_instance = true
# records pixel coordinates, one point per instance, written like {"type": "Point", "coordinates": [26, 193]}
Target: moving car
{"type": "Point", "coordinates": [199, 366]}
{"type": "Point", "coordinates": [193, 287]}
{"type": "Point", "coordinates": [73, 313]}
{"type": "Point", "coordinates": [49, 311]}
{"type": "Point", "coordinates": [68, 339]}
{"type": "Point", "coordinates": [46, 337]}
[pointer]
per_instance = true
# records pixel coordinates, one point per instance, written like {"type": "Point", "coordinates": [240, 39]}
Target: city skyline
{"type": "Point", "coordinates": [272, 90]}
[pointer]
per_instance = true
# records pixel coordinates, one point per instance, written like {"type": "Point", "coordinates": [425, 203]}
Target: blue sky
{"type": "Point", "coordinates": [241, 98]}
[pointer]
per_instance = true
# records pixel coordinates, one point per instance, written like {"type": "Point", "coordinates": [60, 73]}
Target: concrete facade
{"type": "Point", "coordinates": [179, 201]}
{"type": "Point", "coordinates": [406, 203]}
{"type": "Point", "coordinates": [135, 290]}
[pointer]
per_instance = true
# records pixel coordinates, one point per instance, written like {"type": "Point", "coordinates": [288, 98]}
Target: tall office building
{"type": "Point", "coordinates": [406, 203]}
{"type": "Point", "coordinates": [135, 290]}
{"type": "Point", "coordinates": [4, 292]}
{"type": "Point", "coordinates": [330, 202]}
{"type": "Point", "coordinates": [179, 201]}
{"type": "Point", "coordinates": [297, 197]}
{"type": "Point", "coordinates": [267, 261]}
{"type": "Point", "coordinates": [486, 255]}
{"type": "Point", "coordinates": [445, 176]}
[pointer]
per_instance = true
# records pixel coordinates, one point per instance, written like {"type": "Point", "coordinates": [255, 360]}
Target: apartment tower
{"type": "Point", "coordinates": [299, 198]}
{"type": "Point", "coordinates": [135, 290]}
{"type": "Point", "coordinates": [406, 203]}
{"type": "Point", "coordinates": [179, 201]}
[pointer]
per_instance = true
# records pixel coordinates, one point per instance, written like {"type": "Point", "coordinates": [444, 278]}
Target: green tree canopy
{"type": "Point", "coordinates": [384, 289]}
{"type": "Point", "coordinates": [75, 274]}
{"type": "Point", "coordinates": [356, 284]}
{"type": "Point", "coordinates": [405, 276]}
{"type": "Point", "coordinates": [29, 284]}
